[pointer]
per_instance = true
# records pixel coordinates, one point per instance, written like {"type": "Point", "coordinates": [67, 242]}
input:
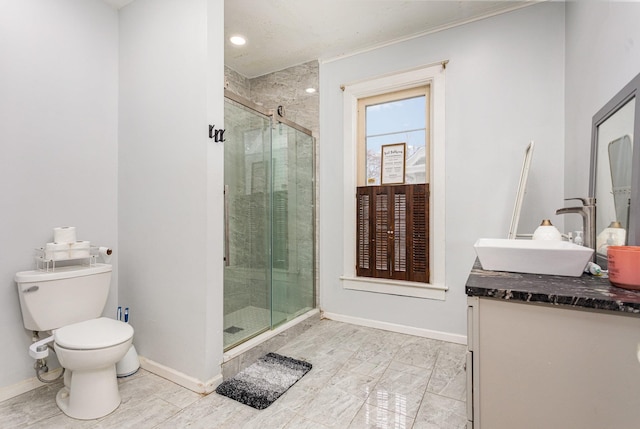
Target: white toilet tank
{"type": "Point", "coordinates": [50, 300]}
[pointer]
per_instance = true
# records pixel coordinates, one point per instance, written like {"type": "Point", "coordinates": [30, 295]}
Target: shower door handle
{"type": "Point", "coordinates": [226, 226]}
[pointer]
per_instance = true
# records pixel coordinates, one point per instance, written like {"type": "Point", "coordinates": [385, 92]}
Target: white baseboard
{"type": "Point", "coordinates": [24, 386]}
{"type": "Point", "coordinates": [170, 374]}
{"type": "Point", "coordinates": [402, 329]}
{"type": "Point", "coordinates": [180, 378]}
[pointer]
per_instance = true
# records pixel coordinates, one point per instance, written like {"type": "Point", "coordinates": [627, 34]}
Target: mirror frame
{"type": "Point", "coordinates": [626, 94]}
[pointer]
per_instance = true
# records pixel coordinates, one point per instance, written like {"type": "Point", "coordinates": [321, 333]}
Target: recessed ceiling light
{"type": "Point", "coordinates": [310, 90]}
{"type": "Point", "coordinates": [237, 40]}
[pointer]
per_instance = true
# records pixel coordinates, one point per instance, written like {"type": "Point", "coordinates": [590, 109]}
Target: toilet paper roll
{"type": "Point", "coordinates": [105, 253]}
{"type": "Point", "coordinates": [64, 234]}
{"type": "Point", "coordinates": [129, 364]}
{"type": "Point", "coordinates": [80, 249]}
{"type": "Point", "coordinates": [56, 251]}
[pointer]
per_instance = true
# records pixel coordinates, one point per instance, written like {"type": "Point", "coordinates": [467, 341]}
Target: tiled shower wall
{"type": "Point", "coordinates": [236, 83]}
{"type": "Point", "coordinates": [284, 88]}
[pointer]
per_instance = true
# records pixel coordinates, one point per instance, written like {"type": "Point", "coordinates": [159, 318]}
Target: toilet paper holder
{"type": "Point", "coordinates": [46, 258]}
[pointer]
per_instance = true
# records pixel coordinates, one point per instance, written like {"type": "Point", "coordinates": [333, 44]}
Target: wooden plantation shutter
{"type": "Point", "coordinates": [363, 251]}
{"type": "Point", "coordinates": [393, 232]}
{"type": "Point", "coordinates": [382, 227]}
{"type": "Point", "coordinates": [418, 253]}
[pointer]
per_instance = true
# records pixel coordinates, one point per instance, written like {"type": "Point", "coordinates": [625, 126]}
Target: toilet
{"type": "Point", "coordinates": [68, 302]}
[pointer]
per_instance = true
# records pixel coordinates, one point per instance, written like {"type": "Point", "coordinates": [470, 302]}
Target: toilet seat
{"type": "Point", "coordinates": [93, 334]}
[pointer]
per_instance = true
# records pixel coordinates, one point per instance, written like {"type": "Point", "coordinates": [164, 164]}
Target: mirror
{"type": "Point", "coordinates": [615, 166]}
{"type": "Point", "coordinates": [620, 151]}
{"type": "Point", "coordinates": [522, 188]}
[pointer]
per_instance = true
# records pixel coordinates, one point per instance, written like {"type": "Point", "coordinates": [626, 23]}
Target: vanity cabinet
{"type": "Point", "coordinates": [550, 352]}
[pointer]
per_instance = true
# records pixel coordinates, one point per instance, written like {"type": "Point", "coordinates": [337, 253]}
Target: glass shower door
{"type": "Point", "coordinates": [269, 221]}
{"type": "Point", "coordinates": [247, 273]}
{"type": "Point", "coordinates": [292, 241]}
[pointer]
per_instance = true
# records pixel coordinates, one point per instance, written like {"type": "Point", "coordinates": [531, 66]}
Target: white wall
{"type": "Point", "coordinates": [603, 55]}
{"type": "Point", "coordinates": [170, 181]}
{"type": "Point", "coordinates": [504, 87]}
{"type": "Point", "coordinates": [58, 133]}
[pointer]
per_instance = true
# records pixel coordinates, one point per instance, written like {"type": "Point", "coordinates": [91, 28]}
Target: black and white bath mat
{"type": "Point", "coordinates": [260, 384]}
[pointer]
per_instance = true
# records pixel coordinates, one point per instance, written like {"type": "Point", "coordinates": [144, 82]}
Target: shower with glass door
{"type": "Point", "coordinates": [269, 221]}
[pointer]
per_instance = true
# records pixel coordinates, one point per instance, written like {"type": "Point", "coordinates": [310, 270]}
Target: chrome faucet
{"type": "Point", "coordinates": [588, 213]}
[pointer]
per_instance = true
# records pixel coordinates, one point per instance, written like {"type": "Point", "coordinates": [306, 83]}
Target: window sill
{"type": "Point", "coordinates": [395, 287]}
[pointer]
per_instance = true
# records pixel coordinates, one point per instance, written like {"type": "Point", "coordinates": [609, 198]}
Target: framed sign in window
{"type": "Point", "coordinates": [393, 163]}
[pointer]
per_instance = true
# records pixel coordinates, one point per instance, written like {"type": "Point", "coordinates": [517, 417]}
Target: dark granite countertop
{"type": "Point", "coordinates": [587, 291]}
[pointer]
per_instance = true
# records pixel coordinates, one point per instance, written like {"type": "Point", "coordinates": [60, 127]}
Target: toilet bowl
{"type": "Point", "coordinates": [89, 352]}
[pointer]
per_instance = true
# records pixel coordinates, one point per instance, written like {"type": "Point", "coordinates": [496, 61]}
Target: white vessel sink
{"type": "Point", "coordinates": [560, 258]}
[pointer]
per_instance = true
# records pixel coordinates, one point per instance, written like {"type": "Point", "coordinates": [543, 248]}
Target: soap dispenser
{"type": "Point", "coordinates": [578, 239]}
{"type": "Point", "coordinates": [613, 235]}
{"type": "Point", "coordinates": [546, 231]}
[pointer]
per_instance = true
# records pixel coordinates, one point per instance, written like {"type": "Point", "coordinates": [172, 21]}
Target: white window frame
{"type": "Point", "coordinates": [435, 77]}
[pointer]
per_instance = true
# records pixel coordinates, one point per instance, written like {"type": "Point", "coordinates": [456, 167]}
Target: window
{"type": "Point", "coordinates": [391, 118]}
{"type": "Point", "coordinates": [396, 232]}
{"type": "Point", "coordinates": [393, 221]}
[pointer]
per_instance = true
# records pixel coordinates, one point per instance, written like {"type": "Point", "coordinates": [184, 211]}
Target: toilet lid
{"type": "Point", "coordinates": [93, 334]}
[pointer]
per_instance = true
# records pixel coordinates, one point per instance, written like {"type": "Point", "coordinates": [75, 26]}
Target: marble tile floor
{"type": "Point", "coordinates": [361, 378]}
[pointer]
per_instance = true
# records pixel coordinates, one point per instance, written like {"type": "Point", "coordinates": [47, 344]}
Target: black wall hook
{"type": "Point", "coordinates": [216, 135]}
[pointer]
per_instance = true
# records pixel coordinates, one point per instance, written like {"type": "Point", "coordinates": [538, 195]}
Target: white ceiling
{"type": "Point", "coordinates": [284, 33]}
{"type": "Point", "coordinates": [117, 4]}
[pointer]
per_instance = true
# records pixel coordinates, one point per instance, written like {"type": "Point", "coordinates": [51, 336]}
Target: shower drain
{"type": "Point", "coordinates": [233, 330]}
